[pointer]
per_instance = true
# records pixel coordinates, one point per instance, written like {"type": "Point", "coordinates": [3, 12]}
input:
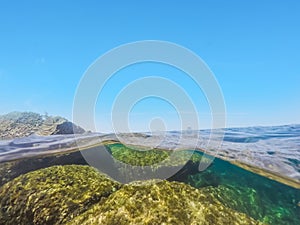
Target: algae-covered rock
{"type": "Point", "coordinates": [134, 163]}
{"type": "Point", "coordinates": [160, 203]}
{"type": "Point", "coordinates": [250, 201]}
{"type": "Point", "coordinates": [53, 195]}
{"type": "Point", "coordinates": [204, 179]}
{"type": "Point", "coordinates": [13, 169]}
{"type": "Point", "coordinates": [242, 199]}
{"type": "Point", "coordinates": [139, 157]}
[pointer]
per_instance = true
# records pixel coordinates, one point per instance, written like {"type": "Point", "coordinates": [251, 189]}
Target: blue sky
{"type": "Point", "coordinates": [252, 47]}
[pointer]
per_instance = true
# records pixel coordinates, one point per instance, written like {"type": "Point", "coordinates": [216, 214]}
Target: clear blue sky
{"type": "Point", "coordinates": [253, 48]}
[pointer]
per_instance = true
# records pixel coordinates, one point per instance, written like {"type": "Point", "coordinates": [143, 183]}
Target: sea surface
{"type": "Point", "coordinates": [256, 170]}
{"type": "Point", "coordinates": [273, 148]}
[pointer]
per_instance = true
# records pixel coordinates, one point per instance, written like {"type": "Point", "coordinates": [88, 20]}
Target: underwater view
{"type": "Point", "coordinates": [48, 179]}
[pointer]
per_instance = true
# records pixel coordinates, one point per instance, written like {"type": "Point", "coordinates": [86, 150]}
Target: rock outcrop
{"type": "Point", "coordinates": [22, 124]}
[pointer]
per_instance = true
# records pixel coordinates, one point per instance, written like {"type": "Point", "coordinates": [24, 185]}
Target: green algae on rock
{"type": "Point", "coordinates": [133, 163]}
{"type": "Point", "coordinates": [160, 202]}
{"type": "Point", "coordinates": [13, 169]}
{"type": "Point", "coordinates": [247, 200]}
{"type": "Point", "coordinates": [263, 199]}
{"type": "Point", "coordinates": [204, 179]}
{"type": "Point", "coordinates": [53, 195]}
{"type": "Point", "coordinates": [242, 199]}
{"type": "Point", "coordinates": [137, 157]}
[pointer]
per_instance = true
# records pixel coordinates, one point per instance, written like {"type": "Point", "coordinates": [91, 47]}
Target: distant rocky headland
{"type": "Point", "coordinates": [22, 124]}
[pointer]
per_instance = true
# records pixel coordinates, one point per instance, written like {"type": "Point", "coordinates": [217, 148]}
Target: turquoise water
{"type": "Point", "coordinates": [259, 197]}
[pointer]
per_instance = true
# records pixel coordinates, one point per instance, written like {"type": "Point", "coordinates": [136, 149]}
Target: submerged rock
{"type": "Point", "coordinates": [53, 195]}
{"type": "Point", "coordinates": [204, 179]}
{"type": "Point", "coordinates": [135, 156]}
{"type": "Point", "coordinates": [253, 203]}
{"type": "Point", "coordinates": [134, 163]}
{"type": "Point", "coordinates": [242, 199]}
{"type": "Point", "coordinates": [163, 202]}
{"type": "Point", "coordinates": [13, 169]}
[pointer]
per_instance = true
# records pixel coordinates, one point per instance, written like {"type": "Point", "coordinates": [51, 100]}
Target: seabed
{"type": "Point", "coordinates": [64, 189]}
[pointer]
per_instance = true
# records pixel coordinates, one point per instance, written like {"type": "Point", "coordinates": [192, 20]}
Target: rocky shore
{"type": "Point", "coordinates": [22, 124]}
